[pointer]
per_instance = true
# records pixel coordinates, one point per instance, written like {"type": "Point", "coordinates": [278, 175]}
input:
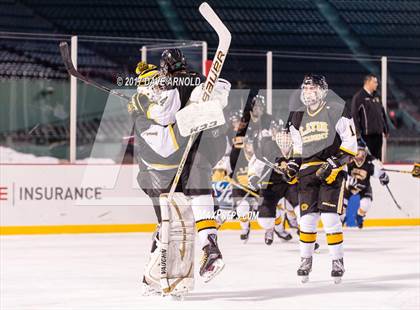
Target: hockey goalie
{"type": "Point", "coordinates": [160, 147]}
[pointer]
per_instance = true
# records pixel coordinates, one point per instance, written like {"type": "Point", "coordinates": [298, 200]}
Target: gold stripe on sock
{"type": "Point", "coordinates": [307, 237]}
{"type": "Point", "coordinates": [335, 238]}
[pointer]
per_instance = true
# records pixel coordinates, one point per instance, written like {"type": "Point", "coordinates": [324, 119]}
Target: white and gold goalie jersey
{"type": "Point", "coordinates": [327, 132]}
{"type": "Point", "coordinates": [158, 141]}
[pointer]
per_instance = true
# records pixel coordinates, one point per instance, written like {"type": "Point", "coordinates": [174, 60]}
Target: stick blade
{"type": "Point", "coordinates": [416, 170]}
{"type": "Point", "coordinates": [211, 17]}
{"type": "Point", "coordinates": [65, 55]}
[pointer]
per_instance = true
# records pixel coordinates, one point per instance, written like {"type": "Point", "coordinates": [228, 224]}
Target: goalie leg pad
{"type": "Point", "coordinates": [177, 245]}
{"type": "Point", "coordinates": [152, 268]}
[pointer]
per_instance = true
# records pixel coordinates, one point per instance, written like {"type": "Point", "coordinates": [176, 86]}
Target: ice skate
{"type": "Point", "coordinates": [316, 248]}
{"type": "Point", "coordinates": [283, 235]}
{"type": "Point", "coordinates": [337, 270]}
{"type": "Point", "coordinates": [269, 236]}
{"type": "Point", "coordinates": [292, 221]}
{"type": "Point", "coordinates": [304, 269]}
{"type": "Point", "coordinates": [148, 290]}
{"type": "Point", "coordinates": [211, 262]}
{"type": "Point", "coordinates": [359, 220]}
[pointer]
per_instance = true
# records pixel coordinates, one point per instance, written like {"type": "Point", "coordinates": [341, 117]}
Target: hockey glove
{"type": "Point", "coordinates": [384, 179]}
{"type": "Point", "coordinates": [329, 170]}
{"type": "Point", "coordinates": [253, 183]}
{"type": "Point", "coordinates": [291, 172]}
{"type": "Point", "coordinates": [353, 186]}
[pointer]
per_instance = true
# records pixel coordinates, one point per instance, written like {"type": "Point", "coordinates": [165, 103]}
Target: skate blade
{"type": "Point", "coordinates": [147, 291]}
{"type": "Point", "coordinates": [337, 280]}
{"type": "Point", "coordinates": [218, 267]}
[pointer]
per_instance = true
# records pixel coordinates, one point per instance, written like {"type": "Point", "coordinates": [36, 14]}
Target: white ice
{"type": "Point", "coordinates": [103, 271]}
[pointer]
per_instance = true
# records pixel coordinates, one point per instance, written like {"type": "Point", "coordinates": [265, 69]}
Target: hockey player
{"type": "Point", "coordinates": [160, 147]}
{"type": "Point", "coordinates": [235, 165]}
{"type": "Point", "coordinates": [362, 167]}
{"type": "Point", "coordinates": [324, 138]}
{"type": "Point", "coordinates": [257, 119]}
{"type": "Point", "coordinates": [243, 202]}
{"type": "Point", "coordinates": [275, 149]}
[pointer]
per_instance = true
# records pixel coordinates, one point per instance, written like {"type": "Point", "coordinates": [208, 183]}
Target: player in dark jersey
{"type": "Point", "coordinates": [257, 119]}
{"type": "Point", "coordinates": [360, 170]}
{"type": "Point", "coordinates": [273, 151]}
{"type": "Point", "coordinates": [325, 140]}
{"type": "Point", "coordinates": [243, 205]}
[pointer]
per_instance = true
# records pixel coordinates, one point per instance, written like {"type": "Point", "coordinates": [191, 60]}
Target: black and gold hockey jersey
{"type": "Point", "coordinates": [363, 173]}
{"type": "Point", "coordinates": [322, 134]}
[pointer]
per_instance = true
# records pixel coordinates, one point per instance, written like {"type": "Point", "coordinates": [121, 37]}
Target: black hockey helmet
{"type": "Point", "coordinates": [315, 79]}
{"type": "Point", "coordinates": [313, 96]}
{"type": "Point", "coordinates": [172, 60]}
{"type": "Point", "coordinates": [258, 100]}
{"type": "Point", "coordinates": [362, 152]}
{"type": "Point", "coordinates": [276, 125]}
{"type": "Point", "coordinates": [235, 115]}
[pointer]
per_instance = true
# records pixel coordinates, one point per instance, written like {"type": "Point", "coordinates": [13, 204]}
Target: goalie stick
{"type": "Point", "coordinates": [65, 55]}
{"type": "Point", "coordinates": [218, 61]}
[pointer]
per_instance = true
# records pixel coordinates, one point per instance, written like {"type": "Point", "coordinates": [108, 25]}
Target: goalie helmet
{"type": "Point", "coordinates": [314, 90]}
{"type": "Point", "coordinates": [361, 155]}
{"type": "Point", "coordinates": [172, 60]}
{"type": "Point", "coordinates": [284, 142]}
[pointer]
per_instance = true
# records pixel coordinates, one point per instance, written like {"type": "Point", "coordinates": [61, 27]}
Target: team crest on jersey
{"type": "Point", "coordinates": [304, 206]}
{"type": "Point", "coordinates": [314, 131]}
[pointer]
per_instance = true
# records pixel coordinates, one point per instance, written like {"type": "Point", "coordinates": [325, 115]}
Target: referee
{"type": "Point", "coordinates": [369, 116]}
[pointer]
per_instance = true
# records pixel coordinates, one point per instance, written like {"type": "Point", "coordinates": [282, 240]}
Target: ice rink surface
{"type": "Point", "coordinates": [102, 271]}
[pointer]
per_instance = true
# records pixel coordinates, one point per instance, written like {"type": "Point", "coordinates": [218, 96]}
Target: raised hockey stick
{"type": "Point", "coordinates": [273, 166]}
{"type": "Point", "coordinates": [65, 55]}
{"type": "Point", "coordinates": [395, 201]}
{"type": "Point", "coordinates": [240, 186]}
{"type": "Point", "coordinates": [218, 61]}
{"type": "Point", "coordinates": [415, 172]}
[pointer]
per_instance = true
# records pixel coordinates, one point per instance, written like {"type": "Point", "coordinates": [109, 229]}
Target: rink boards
{"type": "Point", "coordinates": [44, 199]}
